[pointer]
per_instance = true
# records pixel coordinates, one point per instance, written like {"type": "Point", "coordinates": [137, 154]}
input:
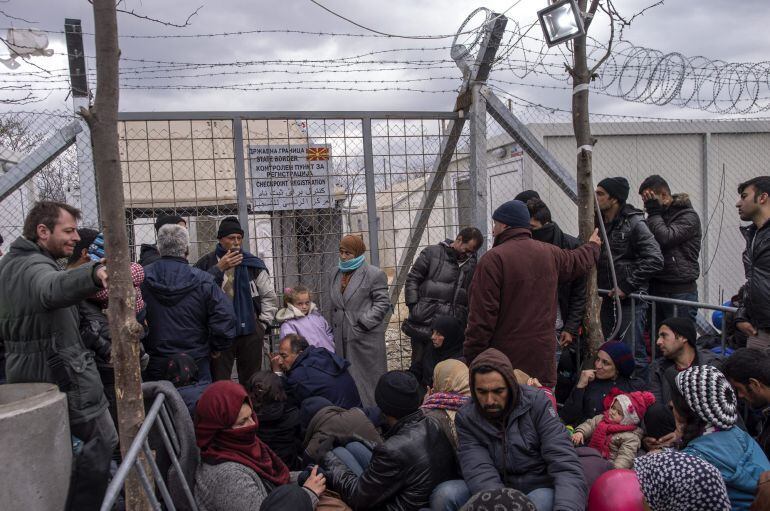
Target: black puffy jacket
{"type": "Point", "coordinates": [635, 252]}
{"type": "Point", "coordinates": [756, 263]}
{"type": "Point", "coordinates": [415, 458]}
{"type": "Point", "coordinates": [186, 311]}
{"type": "Point", "coordinates": [437, 285]}
{"type": "Point", "coordinates": [677, 230]}
{"type": "Point", "coordinates": [572, 294]}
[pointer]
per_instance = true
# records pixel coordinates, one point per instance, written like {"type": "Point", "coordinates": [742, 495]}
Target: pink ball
{"type": "Point", "coordinates": [616, 490]}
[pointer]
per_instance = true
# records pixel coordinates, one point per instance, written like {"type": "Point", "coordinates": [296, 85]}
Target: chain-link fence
{"type": "Point", "coordinates": [301, 180]}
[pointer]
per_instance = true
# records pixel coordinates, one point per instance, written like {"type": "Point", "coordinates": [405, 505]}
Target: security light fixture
{"type": "Point", "coordinates": [561, 21]}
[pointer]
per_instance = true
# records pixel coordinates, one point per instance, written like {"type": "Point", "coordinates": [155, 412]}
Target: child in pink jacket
{"type": "Point", "coordinates": [300, 316]}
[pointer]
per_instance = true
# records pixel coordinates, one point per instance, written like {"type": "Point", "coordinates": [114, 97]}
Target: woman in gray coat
{"type": "Point", "coordinates": [359, 303]}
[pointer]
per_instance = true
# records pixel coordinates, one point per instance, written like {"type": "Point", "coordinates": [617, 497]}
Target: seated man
{"type": "Point", "coordinates": [186, 311]}
{"type": "Point", "coordinates": [402, 472]}
{"type": "Point", "coordinates": [312, 371]}
{"type": "Point", "coordinates": [748, 371]}
{"type": "Point", "coordinates": [510, 436]}
{"type": "Point", "coordinates": [676, 344]}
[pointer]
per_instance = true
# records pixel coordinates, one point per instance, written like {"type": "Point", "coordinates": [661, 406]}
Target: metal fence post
{"type": "Point", "coordinates": [478, 160]}
{"type": "Point", "coordinates": [705, 215]}
{"type": "Point", "coordinates": [371, 200]}
{"type": "Point", "coordinates": [240, 181]}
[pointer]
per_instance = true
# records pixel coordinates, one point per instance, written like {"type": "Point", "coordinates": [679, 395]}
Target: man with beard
{"type": "Point", "coordinates": [40, 328]}
{"type": "Point", "coordinates": [748, 371]}
{"type": "Point", "coordinates": [571, 296]}
{"type": "Point", "coordinates": [753, 318]}
{"type": "Point", "coordinates": [510, 436]}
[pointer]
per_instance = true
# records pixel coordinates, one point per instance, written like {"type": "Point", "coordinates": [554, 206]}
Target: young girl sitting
{"type": "Point", "coordinates": [616, 434]}
{"type": "Point", "coordinates": [300, 316]}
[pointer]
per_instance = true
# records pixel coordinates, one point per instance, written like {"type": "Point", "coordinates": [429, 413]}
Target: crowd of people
{"type": "Point", "coordinates": [500, 408]}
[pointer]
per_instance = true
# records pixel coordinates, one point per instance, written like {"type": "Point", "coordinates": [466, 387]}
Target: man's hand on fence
{"type": "Point", "coordinates": [595, 238]}
{"type": "Point", "coordinates": [565, 339]}
{"type": "Point", "coordinates": [746, 327]}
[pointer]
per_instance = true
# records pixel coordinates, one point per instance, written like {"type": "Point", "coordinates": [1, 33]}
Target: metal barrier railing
{"type": "Point", "coordinates": [157, 416]}
{"type": "Point", "coordinates": [672, 301]}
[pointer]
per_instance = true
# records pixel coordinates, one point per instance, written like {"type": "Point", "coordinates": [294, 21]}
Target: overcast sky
{"type": "Point", "coordinates": [718, 29]}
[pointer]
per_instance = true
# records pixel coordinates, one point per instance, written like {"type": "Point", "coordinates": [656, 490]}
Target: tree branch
{"type": "Point", "coordinates": [15, 18]}
{"type": "Point", "coordinates": [589, 16]}
{"type": "Point", "coordinates": [592, 72]}
{"type": "Point", "coordinates": [13, 53]}
{"type": "Point", "coordinates": [133, 13]}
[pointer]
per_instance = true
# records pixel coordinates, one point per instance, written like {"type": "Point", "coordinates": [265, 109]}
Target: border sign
{"type": "Point", "coordinates": [287, 177]}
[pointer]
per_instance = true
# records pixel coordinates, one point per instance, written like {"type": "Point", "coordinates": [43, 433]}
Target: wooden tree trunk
{"type": "Point", "coordinates": [582, 127]}
{"type": "Point", "coordinates": [102, 119]}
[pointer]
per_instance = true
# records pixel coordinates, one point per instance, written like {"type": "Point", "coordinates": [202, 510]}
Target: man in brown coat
{"type": "Point", "coordinates": [512, 297]}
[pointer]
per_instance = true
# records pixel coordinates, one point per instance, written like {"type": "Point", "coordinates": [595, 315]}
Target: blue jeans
{"type": "Point", "coordinates": [449, 496]}
{"type": "Point", "coordinates": [631, 331]}
{"type": "Point", "coordinates": [542, 498]}
{"type": "Point", "coordinates": [355, 455]}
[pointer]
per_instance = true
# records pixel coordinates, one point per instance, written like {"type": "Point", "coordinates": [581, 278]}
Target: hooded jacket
{"type": "Point", "coordinates": [513, 300]}
{"type": "Point", "coordinates": [318, 372]}
{"type": "Point", "coordinates": [756, 265]}
{"type": "Point", "coordinates": [677, 230]}
{"type": "Point", "coordinates": [312, 326]}
{"type": "Point", "coordinates": [332, 426]}
{"type": "Point", "coordinates": [39, 320]}
{"type": "Point", "coordinates": [437, 285]}
{"type": "Point", "coordinates": [571, 294]}
{"type": "Point", "coordinates": [739, 459]}
{"type": "Point", "coordinates": [526, 449]}
{"type": "Point", "coordinates": [636, 254]}
{"type": "Point", "coordinates": [186, 311]}
{"type": "Point", "coordinates": [452, 348]}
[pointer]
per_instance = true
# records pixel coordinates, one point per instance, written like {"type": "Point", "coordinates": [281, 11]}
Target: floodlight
{"type": "Point", "coordinates": [561, 21]}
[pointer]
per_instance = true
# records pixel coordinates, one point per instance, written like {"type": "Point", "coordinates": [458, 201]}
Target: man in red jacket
{"type": "Point", "coordinates": [512, 297]}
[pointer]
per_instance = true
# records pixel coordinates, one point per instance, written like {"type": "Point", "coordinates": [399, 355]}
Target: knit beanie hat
{"type": "Point", "coordinates": [513, 213]}
{"type": "Point", "coordinates": [398, 394]}
{"type": "Point", "coordinates": [634, 406]}
{"type": "Point", "coordinates": [353, 244]}
{"type": "Point", "coordinates": [527, 195]}
{"type": "Point", "coordinates": [616, 187]}
{"type": "Point", "coordinates": [229, 225]}
{"type": "Point", "coordinates": [621, 356]}
{"type": "Point", "coordinates": [167, 220]}
{"type": "Point", "coordinates": [676, 481]}
{"type": "Point", "coordinates": [709, 395]}
{"type": "Point", "coordinates": [684, 327]}
{"type": "Point", "coordinates": [503, 498]}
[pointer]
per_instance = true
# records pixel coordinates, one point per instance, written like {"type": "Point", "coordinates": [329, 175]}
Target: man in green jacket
{"type": "Point", "coordinates": [39, 328]}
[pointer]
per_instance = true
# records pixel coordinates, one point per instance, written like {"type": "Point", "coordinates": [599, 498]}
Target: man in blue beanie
{"type": "Point", "coordinates": [513, 293]}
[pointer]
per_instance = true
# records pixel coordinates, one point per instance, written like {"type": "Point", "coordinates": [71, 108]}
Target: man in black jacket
{"type": "Point", "coordinates": [402, 472]}
{"type": "Point", "coordinates": [677, 229]}
{"type": "Point", "coordinates": [571, 296]}
{"type": "Point", "coordinates": [246, 282]}
{"type": "Point", "coordinates": [186, 310]}
{"type": "Point", "coordinates": [753, 318]}
{"type": "Point", "coordinates": [636, 257]}
{"type": "Point", "coordinates": [437, 285]}
{"type": "Point", "coordinates": [676, 343]}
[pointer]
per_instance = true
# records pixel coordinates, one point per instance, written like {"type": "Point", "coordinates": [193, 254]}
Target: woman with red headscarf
{"type": "Point", "coordinates": [237, 470]}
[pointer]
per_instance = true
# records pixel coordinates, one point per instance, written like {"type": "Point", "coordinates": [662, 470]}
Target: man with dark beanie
{"type": "Point", "coordinates": [636, 257]}
{"type": "Point", "coordinates": [676, 344]}
{"type": "Point", "coordinates": [402, 472]}
{"type": "Point", "coordinates": [510, 437]}
{"type": "Point", "coordinates": [245, 280]}
{"type": "Point", "coordinates": [148, 253]}
{"type": "Point", "coordinates": [513, 298]}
